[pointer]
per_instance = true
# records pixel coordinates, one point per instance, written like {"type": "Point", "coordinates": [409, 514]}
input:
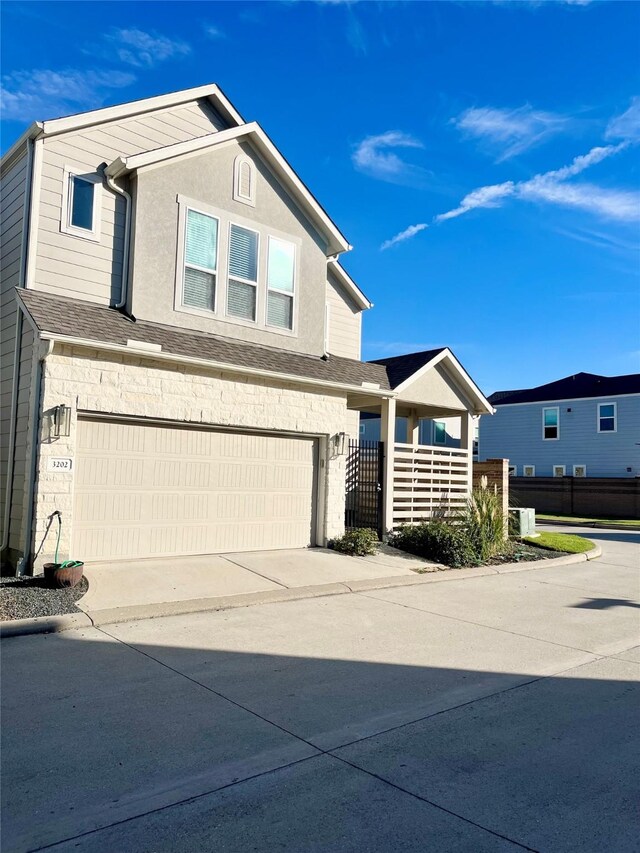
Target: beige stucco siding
{"type": "Point", "coordinates": [345, 321]}
{"type": "Point", "coordinates": [207, 180]}
{"type": "Point", "coordinates": [139, 387]}
{"type": "Point", "coordinates": [437, 389]}
{"type": "Point", "coordinates": [77, 267]}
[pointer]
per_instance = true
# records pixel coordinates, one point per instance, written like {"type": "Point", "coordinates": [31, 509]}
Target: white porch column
{"type": "Point", "coordinates": [388, 436]}
{"type": "Point", "coordinates": [413, 428]}
{"type": "Point", "coordinates": [467, 427]}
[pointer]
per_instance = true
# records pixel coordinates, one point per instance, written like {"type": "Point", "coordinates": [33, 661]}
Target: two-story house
{"type": "Point", "coordinates": [580, 426]}
{"type": "Point", "coordinates": [181, 346]}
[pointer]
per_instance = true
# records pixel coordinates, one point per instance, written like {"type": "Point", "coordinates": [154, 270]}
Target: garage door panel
{"type": "Point", "coordinates": [146, 490]}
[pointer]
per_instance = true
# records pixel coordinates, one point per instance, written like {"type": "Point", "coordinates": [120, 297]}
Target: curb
{"type": "Point", "coordinates": [96, 618]}
{"type": "Point", "coordinates": [590, 525]}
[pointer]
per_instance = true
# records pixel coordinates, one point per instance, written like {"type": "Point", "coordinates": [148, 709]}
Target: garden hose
{"type": "Point", "coordinates": [66, 564]}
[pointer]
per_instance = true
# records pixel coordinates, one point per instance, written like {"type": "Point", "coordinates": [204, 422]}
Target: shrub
{"type": "Point", "coordinates": [484, 521]}
{"type": "Point", "coordinates": [439, 541]}
{"type": "Point", "coordinates": [357, 543]}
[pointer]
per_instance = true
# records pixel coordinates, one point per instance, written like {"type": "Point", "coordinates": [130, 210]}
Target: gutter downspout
{"type": "Point", "coordinates": [17, 350]}
{"type": "Point", "coordinates": [24, 561]}
{"type": "Point", "coordinates": [127, 239]}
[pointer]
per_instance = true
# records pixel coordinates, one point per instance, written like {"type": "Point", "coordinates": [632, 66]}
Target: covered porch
{"type": "Point", "coordinates": [420, 480]}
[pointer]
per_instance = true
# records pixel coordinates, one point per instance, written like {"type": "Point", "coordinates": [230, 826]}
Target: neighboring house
{"type": "Point", "coordinates": [581, 426]}
{"type": "Point", "coordinates": [180, 345]}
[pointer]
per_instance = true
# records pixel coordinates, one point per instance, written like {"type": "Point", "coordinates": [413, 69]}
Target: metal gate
{"type": "Point", "coordinates": [363, 506]}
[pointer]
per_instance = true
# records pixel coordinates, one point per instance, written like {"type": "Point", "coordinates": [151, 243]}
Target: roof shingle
{"type": "Point", "coordinates": [571, 388]}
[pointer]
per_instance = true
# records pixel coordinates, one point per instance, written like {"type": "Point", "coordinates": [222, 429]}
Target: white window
{"type": "Point", "coordinates": [242, 287]}
{"type": "Point", "coordinates": [579, 470]}
{"type": "Point", "coordinates": [244, 180]}
{"type": "Point", "coordinates": [551, 423]}
{"type": "Point", "coordinates": [559, 470]}
{"type": "Point", "coordinates": [200, 261]}
{"type": "Point", "coordinates": [607, 417]}
{"type": "Point", "coordinates": [528, 470]}
{"type": "Point", "coordinates": [439, 433]}
{"type": "Point", "coordinates": [513, 470]}
{"type": "Point", "coordinates": [281, 264]}
{"type": "Point", "coordinates": [81, 202]}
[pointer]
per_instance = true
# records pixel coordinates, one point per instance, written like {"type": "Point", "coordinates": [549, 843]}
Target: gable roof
{"type": "Point", "coordinates": [71, 320]}
{"type": "Point", "coordinates": [404, 370]}
{"type": "Point", "coordinates": [571, 388]}
{"type": "Point", "coordinates": [252, 131]}
{"type": "Point", "coordinates": [401, 367]}
{"type": "Point", "coordinates": [343, 277]}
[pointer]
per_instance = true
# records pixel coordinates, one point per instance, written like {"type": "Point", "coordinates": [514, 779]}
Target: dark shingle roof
{"type": "Point", "coordinates": [572, 388]}
{"type": "Point", "coordinates": [63, 316]}
{"type": "Point", "coordinates": [401, 367]}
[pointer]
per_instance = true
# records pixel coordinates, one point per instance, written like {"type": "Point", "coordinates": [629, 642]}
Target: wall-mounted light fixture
{"type": "Point", "coordinates": [339, 444]}
{"type": "Point", "coordinates": [61, 421]}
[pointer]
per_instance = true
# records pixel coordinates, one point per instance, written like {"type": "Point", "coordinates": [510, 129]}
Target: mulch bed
{"type": "Point", "coordinates": [520, 552]}
{"type": "Point", "coordinates": [28, 597]}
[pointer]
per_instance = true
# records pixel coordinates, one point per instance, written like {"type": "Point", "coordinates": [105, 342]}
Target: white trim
{"type": "Point", "coordinates": [132, 108]}
{"type": "Point", "coordinates": [30, 133]}
{"type": "Point", "coordinates": [555, 468]}
{"type": "Point", "coordinates": [182, 254]}
{"type": "Point", "coordinates": [240, 161]}
{"type": "Point", "coordinates": [555, 409]}
{"type": "Point", "coordinates": [34, 213]}
{"type": "Point", "coordinates": [327, 322]}
{"type": "Point", "coordinates": [349, 285]}
{"type": "Point", "coordinates": [93, 234]}
{"type": "Point", "coordinates": [579, 466]}
{"type": "Point", "coordinates": [460, 374]}
{"type": "Point", "coordinates": [254, 284]}
{"type": "Point", "coordinates": [282, 170]}
{"type": "Point", "coordinates": [599, 417]}
{"type": "Point", "coordinates": [531, 468]}
{"type": "Point", "coordinates": [565, 400]}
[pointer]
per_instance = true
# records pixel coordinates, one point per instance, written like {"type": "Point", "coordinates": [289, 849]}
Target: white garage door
{"type": "Point", "coordinates": [149, 491]}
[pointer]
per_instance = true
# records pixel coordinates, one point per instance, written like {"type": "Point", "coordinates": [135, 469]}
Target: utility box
{"type": "Point", "coordinates": [523, 520]}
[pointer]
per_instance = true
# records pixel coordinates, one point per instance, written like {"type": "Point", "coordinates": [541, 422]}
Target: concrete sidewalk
{"type": "Point", "coordinates": [163, 587]}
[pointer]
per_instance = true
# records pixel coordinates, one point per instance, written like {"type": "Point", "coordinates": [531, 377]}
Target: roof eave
{"type": "Point", "coordinates": [361, 300]}
{"type": "Point", "coordinates": [31, 132]}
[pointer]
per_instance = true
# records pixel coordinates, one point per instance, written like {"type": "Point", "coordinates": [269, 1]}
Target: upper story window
{"type": "Point", "coordinates": [281, 265]}
{"type": "Point", "coordinates": [81, 202]}
{"type": "Point", "coordinates": [439, 433]}
{"type": "Point", "coordinates": [200, 261]}
{"type": "Point", "coordinates": [242, 290]}
{"type": "Point", "coordinates": [244, 180]}
{"type": "Point", "coordinates": [607, 417]}
{"type": "Point", "coordinates": [551, 423]}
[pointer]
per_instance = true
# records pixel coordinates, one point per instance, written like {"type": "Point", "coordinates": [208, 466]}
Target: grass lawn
{"type": "Point", "coordinates": [622, 522]}
{"type": "Point", "coordinates": [566, 542]}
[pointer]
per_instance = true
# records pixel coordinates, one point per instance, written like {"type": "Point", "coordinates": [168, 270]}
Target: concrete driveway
{"type": "Point", "coordinates": [481, 714]}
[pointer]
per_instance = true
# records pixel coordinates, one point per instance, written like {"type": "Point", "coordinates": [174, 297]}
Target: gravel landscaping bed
{"type": "Point", "coordinates": [27, 597]}
{"type": "Point", "coordinates": [521, 552]}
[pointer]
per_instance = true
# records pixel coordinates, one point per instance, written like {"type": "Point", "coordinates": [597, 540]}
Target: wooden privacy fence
{"type": "Point", "coordinates": [427, 480]}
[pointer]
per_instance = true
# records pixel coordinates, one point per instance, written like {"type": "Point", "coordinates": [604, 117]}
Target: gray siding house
{"type": "Point", "coordinates": [581, 426]}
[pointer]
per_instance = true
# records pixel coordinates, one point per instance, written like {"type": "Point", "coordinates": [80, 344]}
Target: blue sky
{"type": "Point", "coordinates": [481, 157]}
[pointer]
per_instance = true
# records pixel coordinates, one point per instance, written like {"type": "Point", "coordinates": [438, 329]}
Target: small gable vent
{"type": "Point", "coordinates": [244, 180]}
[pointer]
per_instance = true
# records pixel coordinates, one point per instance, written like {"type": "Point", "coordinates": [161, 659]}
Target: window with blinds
{"type": "Point", "coordinates": [243, 273]}
{"type": "Point", "coordinates": [200, 261]}
{"type": "Point", "coordinates": [281, 264]}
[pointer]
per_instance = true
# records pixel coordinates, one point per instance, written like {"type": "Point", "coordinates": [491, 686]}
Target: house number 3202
{"type": "Point", "coordinates": [60, 464]}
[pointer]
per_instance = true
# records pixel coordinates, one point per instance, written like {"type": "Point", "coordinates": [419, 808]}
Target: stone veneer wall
{"type": "Point", "coordinates": [98, 381]}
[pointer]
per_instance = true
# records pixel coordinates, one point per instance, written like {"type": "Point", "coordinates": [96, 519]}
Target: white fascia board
{"type": "Point", "coordinates": [30, 133]}
{"type": "Point", "coordinates": [565, 400]}
{"type": "Point", "coordinates": [222, 366]}
{"type": "Point", "coordinates": [349, 285]}
{"type": "Point", "coordinates": [282, 170]}
{"type": "Point", "coordinates": [483, 406]}
{"type": "Point", "coordinates": [133, 108]}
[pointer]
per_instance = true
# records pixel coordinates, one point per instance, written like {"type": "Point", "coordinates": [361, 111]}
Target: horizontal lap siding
{"type": "Point", "coordinates": [76, 267]}
{"type": "Point", "coordinates": [12, 196]}
{"type": "Point", "coordinates": [344, 322]}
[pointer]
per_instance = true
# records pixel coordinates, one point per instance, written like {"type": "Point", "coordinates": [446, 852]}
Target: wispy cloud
{"type": "Point", "coordinates": [627, 125]}
{"type": "Point", "coordinates": [602, 240]}
{"type": "Point", "coordinates": [512, 131]}
{"type": "Point", "coordinates": [409, 232]}
{"type": "Point", "coordinates": [213, 32]}
{"type": "Point", "coordinates": [551, 188]}
{"type": "Point", "coordinates": [143, 49]}
{"type": "Point", "coordinates": [374, 157]}
{"type": "Point", "coordinates": [43, 93]}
